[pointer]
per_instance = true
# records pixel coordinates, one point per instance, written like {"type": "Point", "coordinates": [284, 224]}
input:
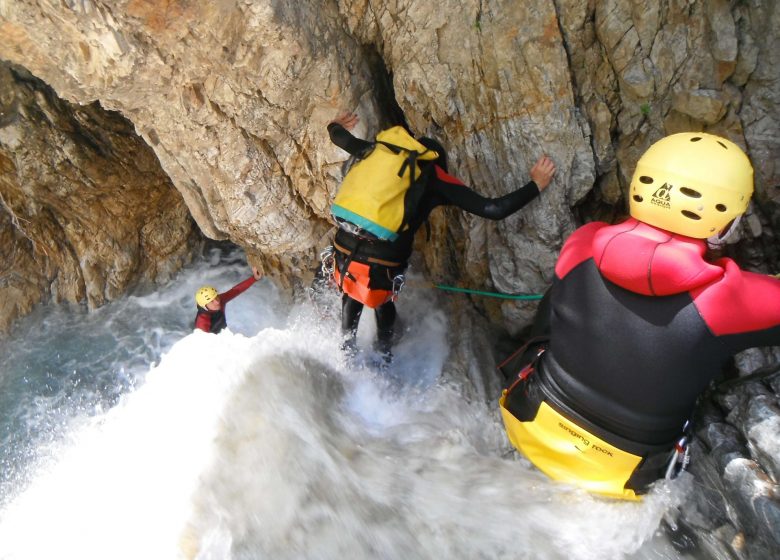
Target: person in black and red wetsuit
{"type": "Point", "coordinates": [211, 304]}
{"type": "Point", "coordinates": [641, 321]}
{"type": "Point", "coordinates": [441, 190]}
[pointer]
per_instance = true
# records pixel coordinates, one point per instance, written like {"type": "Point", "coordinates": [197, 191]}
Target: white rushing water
{"type": "Point", "coordinates": [261, 442]}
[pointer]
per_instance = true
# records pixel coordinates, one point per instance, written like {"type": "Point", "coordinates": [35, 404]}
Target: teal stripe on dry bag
{"type": "Point", "coordinates": [360, 221]}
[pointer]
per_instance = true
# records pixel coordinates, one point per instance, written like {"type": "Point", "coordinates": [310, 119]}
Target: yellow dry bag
{"type": "Point", "coordinates": [381, 190]}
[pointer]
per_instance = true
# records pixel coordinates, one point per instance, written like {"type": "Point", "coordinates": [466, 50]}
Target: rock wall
{"type": "Point", "coordinates": [85, 210]}
{"type": "Point", "coordinates": [233, 97]}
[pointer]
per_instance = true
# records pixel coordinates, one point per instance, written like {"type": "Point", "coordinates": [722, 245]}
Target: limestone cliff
{"type": "Point", "coordinates": [85, 210]}
{"type": "Point", "coordinates": [232, 98]}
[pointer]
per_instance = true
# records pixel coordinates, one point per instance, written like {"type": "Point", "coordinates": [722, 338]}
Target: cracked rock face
{"type": "Point", "coordinates": [234, 97]}
{"type": "Point", "coordinates": [86, 212]}
{"type": "Point", "coordinates": [231, 100]}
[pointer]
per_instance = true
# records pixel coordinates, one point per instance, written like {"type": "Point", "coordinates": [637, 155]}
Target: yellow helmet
{"type": "Point", "coordinates": [691, 183]}
{"type": "Point", "coordinates": [205, 295]}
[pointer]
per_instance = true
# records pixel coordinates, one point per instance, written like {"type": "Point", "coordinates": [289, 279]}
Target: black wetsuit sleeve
{"type": "Point", "coordinates": [344, 139]}
{"type": "Point", "coordinates": [448, 190]}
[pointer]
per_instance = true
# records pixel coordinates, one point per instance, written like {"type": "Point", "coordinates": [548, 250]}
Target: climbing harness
{"type": "Point", "coordinates": [370, 280]}
{"type": "Point", "coordinates": [370, 260]}
{"type": "Point", "coordinates": [346, 270]}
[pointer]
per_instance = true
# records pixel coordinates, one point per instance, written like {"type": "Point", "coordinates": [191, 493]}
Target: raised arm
{"type": "Point", "coordinates": [237, 290]}
{"type": "Point", "coordinates": [339, 131]}
{"type": "Point", "coordinates": [456, 193]}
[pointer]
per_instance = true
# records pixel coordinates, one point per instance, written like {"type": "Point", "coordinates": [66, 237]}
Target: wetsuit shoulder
{"type": "Point", "coordinates": [577, 248]}
{"type": "Point", "coordinates": [741, 306]}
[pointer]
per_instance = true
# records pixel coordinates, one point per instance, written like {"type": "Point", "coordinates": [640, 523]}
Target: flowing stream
{"type": "Point", "coordinates": [126, 435]}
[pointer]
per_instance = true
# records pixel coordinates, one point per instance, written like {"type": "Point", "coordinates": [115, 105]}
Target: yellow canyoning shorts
{"type": "Point", "coordinates": [567, 453]}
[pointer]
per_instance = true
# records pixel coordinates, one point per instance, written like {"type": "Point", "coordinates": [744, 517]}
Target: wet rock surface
{"type": "Point", "coordinates": [86, 212]}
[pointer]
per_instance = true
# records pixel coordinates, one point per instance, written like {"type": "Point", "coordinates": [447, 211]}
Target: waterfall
{"type": "Point", "coordinates": [127, 435]}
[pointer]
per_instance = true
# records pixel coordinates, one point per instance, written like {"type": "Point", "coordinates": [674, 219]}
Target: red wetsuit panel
{"type": "Point", "coordinates": [203, 322]}
{"type": "Point", "coordinates": [740, 302]}
{"type": "Point", "coordinates": [577, 248]}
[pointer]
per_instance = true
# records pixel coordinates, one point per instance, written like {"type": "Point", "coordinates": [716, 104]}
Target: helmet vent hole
{"type": "Point", "coordinates": [690, 192]}
{"type": "Point", "coordinates": [638, 198]}
{"type": "Point", "coordinates": [646, 180]}
{"type": "Point", "coordinates": [695, 138]}
{"type": "Point", "coordinates": [720, 207]}
{"type": "Point", "coordinates": [724, 145]}
{"type": "Point", "coordinates": [691, 215]}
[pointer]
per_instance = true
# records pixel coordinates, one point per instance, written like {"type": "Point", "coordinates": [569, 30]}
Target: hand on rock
{"type": "Point", "coordinates": [542, 172]}
{"type": "Point", "coordinates": [348, 120]}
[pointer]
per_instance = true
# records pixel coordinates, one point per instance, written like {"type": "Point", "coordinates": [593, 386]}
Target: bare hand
{"type": "Point", "coordinates": [542, 172]}
{"type": "Point", "coordinates": [348, 120]}
{"type": "Point", "coordinates": [256, 273]}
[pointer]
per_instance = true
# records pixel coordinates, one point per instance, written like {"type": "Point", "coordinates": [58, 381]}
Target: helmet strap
{"type": "Point", "coordinates": [720, 239]}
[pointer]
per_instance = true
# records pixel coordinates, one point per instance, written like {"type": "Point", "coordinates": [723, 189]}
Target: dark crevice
{"type": "Point", "coordinates": [390, 112]}
{"type": "Point", "coordinates": [592, 206]}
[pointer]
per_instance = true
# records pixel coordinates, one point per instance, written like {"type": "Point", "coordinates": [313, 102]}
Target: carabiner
{"type": "Point", "coordinates": [328, 261]}
{"type": "Point", "coordinates": [398, 285]}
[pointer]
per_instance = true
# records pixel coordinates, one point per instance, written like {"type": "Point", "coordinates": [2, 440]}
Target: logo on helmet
{"type": "Point", "coordinates": [661, 196]}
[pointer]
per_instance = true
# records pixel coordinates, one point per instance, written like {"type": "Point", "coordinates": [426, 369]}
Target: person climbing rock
{"type": "Point", "coordinates": [383, 200]}
{"type": "Point", "coordinates": [641, 320]}
{"type": "Point", "coordinates": [211, 305]}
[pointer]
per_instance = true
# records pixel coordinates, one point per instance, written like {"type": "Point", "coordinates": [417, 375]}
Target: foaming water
{"type": "Point", "coordinates": [149, 441]}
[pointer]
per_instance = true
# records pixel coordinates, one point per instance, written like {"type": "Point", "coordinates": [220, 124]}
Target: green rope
{"type": "Point", "coordinates": [489, 294]}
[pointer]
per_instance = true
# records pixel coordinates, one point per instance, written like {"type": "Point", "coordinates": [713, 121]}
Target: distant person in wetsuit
{"type": "Point", "coordinates": [641, 320]}
{"type": "Point", "coordinates": [211, 304]}
{"type": "Point", "coordinates": [383, 262]}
